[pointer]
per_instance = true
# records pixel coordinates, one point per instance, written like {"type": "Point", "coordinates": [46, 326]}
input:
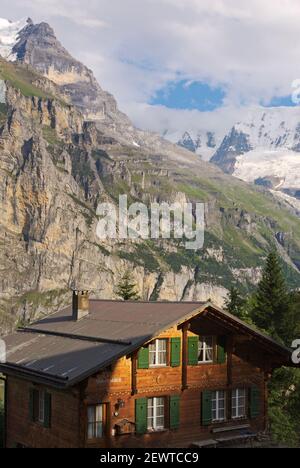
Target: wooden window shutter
{"type": "Point", "coordinates": [206, 413]}
{"type": "Point", "coordinates": [32, 399]}
{"type": "Point", "coordinates": [141, 415]}
{"type": "Point", "coordinates": [175, 352]}
{"type": "Point", "coordinates": [193, 350]}
{"type": "Point", "coordinates": [255, 402]}
{"type": "Point", "coordinates": [221, 350]}
{"type": "Point", "coordinates": [143, 358]}
{"type": "Point", "coordinates": [174, 412]}
{"type": "Point", "coordinates": [47, 410]}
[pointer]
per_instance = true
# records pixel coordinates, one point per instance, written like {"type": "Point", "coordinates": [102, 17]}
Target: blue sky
{"type": "Point", "coordinates": [281, 101]}
{"type": "Point", "coordinates": [184, 94]}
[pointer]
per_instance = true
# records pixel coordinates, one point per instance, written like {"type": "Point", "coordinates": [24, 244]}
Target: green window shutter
{"type": "Point", "coordinates": [47, 410]}
{"type": "Point", "coordinates": [175, 352]}
{"type": "Point", "coordinates": [193, 350]}
{"type": "Point", "coordinates": [206, 414]}
{"type": "Point", "coordinates": [32, 394]}
{"type": "Point", "coordinates": [255, 402]}
{"type": "Point", "coordinates": [141, 409]}
{"type": "Point", "coordinates": [174, 411]}
{"type": "Point", "coordinates": [143, 358]}
{"type": "Point", "coordinates": [221, 350]}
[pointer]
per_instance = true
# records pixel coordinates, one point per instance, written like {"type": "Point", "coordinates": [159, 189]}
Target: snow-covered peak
{"type": "Point", "coordinates": [201, 142]}
{"type": "Point", "coordinates": [9, 34]}
{"type": "Point", "coordinates": [271, 128]}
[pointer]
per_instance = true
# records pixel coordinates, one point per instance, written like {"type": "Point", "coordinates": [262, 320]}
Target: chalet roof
{"type": "Point", "coordinates": [62, 352]}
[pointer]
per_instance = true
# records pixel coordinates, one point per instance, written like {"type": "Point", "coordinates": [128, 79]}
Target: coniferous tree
{"type": "Point", "coordinates": [272, 308]}
{"type": "Point", "coordinates": [126, 288]}
{"type": "Point", "coordinates": [234, 303]}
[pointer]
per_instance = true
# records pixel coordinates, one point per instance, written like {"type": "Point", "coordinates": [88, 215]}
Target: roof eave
{"type": "Point", "coordinates": [34, 376]}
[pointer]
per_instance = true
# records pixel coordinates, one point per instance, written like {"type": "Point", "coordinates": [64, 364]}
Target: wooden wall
{"type": "Point", "coordinates": [116, 383]}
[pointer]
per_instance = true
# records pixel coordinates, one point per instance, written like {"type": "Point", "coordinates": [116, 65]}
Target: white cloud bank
{"type": "Point", "coordinates": [136, 46]}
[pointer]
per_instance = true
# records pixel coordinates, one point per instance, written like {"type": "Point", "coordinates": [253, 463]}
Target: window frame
{"type": "Point", "coordinates": [157, 352]}
{"type": "Point", "coordinates": [155, 416]}
{"type": "Point", "coordinates": [235, 403]}
{"type": "Point", "coordinates": [216, 393]}
{"type": "Point", "coordinates": [95, 422]}
{"type": "Point", "coordinates": [205, 349]}
{"type": "Point", "coordinates": [38, 410]}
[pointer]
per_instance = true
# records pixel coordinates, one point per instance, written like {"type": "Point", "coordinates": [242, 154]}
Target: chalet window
{"type": "Point", "coordinates": [96, 420]}
{"type": "Point", "coordinates": [238, 403]}
{"type": "Point", "coordinates": [156, 414]}
{"type": "Point", "coordinates": [158, 353]}
{"type": "Point", "coordinates": [206, 349]}
{"type": "Point", "coordinates": [40, 407]}
{"type": "Point", "coordinates": [218, 405]}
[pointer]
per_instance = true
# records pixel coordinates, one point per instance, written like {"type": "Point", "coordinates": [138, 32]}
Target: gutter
{"type": "Point", "coordinates": [34, 375]}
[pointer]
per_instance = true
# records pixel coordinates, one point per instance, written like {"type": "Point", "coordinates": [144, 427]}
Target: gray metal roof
{"type": "Point", "coordinates": [62, 352]}
{"type": "Point", "coordinates": [118, 320]}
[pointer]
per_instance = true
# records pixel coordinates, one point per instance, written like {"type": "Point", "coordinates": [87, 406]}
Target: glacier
{"type": "Point", "coordinates": [9, 34]}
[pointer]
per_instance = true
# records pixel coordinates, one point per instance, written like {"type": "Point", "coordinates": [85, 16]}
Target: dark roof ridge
{"type": "Point", "coordinates": [151, 302]}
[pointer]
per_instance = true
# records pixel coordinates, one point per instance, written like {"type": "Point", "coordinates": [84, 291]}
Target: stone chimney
{"type": "Point", "coordinates": [80, 305]}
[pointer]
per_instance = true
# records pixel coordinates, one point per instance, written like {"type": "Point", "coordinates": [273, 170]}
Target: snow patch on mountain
{"type": "Point", "coordinates": [282, 167]}
{"type": "Point", "coordinates": [9, 34]}
{"type": "Point", "coordinates": [289, 201]}
{"type": "Point", "coordinates": [271, 128]}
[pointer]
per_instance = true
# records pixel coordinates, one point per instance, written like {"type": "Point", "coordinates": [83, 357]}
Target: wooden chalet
{"type": "Point", "coordinates": [137, 374]}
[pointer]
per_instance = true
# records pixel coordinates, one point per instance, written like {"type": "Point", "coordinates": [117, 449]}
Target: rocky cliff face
{"type": "Point", "coordinates": [54, 170]}
{"type": "Point", "coordinates": [56, 166]}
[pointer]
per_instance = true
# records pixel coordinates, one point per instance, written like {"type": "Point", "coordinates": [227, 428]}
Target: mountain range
{"type": "Point", "coordinates": [65, 146]}
{"type": "Point", "coordinates": [263, 149]}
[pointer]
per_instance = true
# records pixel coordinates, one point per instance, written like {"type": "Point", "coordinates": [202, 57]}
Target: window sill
{"type": "Point", "coordinates": [156, 431]}
{"type": "Point", "coordinates": [39, 423]}
{"type": "Point", "coordinates": [95, 440]}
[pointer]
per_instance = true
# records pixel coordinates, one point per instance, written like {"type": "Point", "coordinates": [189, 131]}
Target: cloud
{"type": "Point", "coordinates": [72, 10]}
{"type": "Point", "coordinates": [136, 47]}
{"type": "Point", "coordinates": [162, 119]}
